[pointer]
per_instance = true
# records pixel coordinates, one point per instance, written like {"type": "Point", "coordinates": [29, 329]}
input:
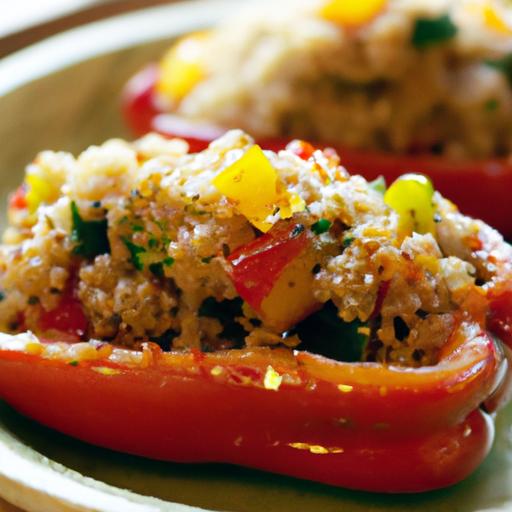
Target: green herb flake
{"type": "Point", "coordinates": [157, 269]}
{"type": "Point", "coordinates": [504, 65]}
{"type": "Point", "coordinates": [91, 236]}
{"type": "Point", "coordinates": [153, 243]}
{"type": "Point", "coordinates": [136, 228]}
{"type": "Point", "coordinates": [135, 252]}
{"type": "Point", "coordinates": [168, 262]}
{"type": "Point", "coordinates": [348, 241]}
{"type": "Point", "coordinates": [491, 105]}
{"type": "Point", "coordinates": [207, 260]}
{"type": "Point", "coordinates": [378, 185]}
{"type": "Point", "coordinates": [73, 363]}
{"type": "Point", "coordinates": [321, 226]}
{"type": "Point", "coordinates": [433, 31]}
{"type": "Point", "coordinates": [2, 296]}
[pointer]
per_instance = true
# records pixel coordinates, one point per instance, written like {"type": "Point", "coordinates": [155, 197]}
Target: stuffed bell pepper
{"type": "Point", "coordinates": [257, 308]}
{"type": "Point", "coordinates": [395, 86]}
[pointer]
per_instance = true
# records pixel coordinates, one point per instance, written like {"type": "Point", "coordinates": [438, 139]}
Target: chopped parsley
{"type": "Point", "coordinates": [158, 268]}
{"type": "Point", "coordinates": [504, 65]}
{"type": "Point", "coordinates": [91, 235]}
{"type": "Point", "coordinates": [137, 256]}
{"type": "Point", "coordinates": [321, 226]}
{"type": "Point", "coordinates": [135, 253]}
{"type": "Point", "coordinates": [433, 31]}
{"type": "Point", "coordinates": [73, 363]}
{"type": "Point", "coordinates": [348, 241]}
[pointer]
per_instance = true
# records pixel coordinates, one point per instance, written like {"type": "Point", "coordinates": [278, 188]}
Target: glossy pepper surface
{"type": "Point", "coordinates": [360, 426]}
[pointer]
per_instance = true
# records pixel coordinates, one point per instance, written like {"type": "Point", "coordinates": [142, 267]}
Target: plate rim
{"type": "Point", "coordinates": [17, 460]}
{"type": "Point", "coordinates": [119, 32]}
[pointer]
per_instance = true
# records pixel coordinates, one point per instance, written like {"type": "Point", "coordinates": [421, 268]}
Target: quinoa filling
{"type": "Point", "coordinates": [235, 247]}
{"type": "Point", "coordinates": [405, 76]}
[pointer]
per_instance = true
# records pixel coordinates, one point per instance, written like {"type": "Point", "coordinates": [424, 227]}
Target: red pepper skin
{"type": "Point", "coordinates": [256, 267]}
{"type": "Point", "coordinates": [479, 187]}
{"type": "Point", "coordinates": [500, 314]}
{"type": "Point", "coordinates": [273, 274]}
{"type": "Point", "coordinates": [138, 101]}
{"type": "Point", "coordinates": [142, 114]}
{"type": "Point", "coordinates": [386, 429]}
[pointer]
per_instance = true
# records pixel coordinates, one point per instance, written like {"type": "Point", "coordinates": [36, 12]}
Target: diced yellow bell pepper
{"type": "Point", "coordinates": [495, 21]}
{"type": "Point", "coordinates": [253, 185]}
{"type": "Point", "coordinates": [182, 67]}
{"type": "Point", "coordinates": [291, 299]}
{"type": "Point", "coordinates": [39, 191]}
{"type": "Point", "coordinates": [352, 12]}
{"type": "Point", "coordinates": [411, 197]}
{"type": "Point", "coordinates": [291, 204]}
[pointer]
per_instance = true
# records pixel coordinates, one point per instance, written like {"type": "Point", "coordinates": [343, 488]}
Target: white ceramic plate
{"type": "Point", "coordinates": [63, 94]}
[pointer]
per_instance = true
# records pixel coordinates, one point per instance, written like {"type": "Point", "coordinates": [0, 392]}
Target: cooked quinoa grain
{"type": "Point", "coordinates": [144, 242]}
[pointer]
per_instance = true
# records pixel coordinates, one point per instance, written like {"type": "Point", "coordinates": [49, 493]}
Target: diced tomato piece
{"type": "Point", "coordinates": [67, 321]}
{"type": "Point", "coordinates": [18, 199]}
{"type": "Point", "coordinates": [273, 275]}
{"type": "Point", "coordinates": [301, 148]}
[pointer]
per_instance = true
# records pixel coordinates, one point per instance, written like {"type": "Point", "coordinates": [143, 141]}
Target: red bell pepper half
{"type": "Point", "coordinates": [360, 426]}
{"type": "Point", "coordinates": [357, 425]}
{"type": "Point", "coordinates": [479, 187]}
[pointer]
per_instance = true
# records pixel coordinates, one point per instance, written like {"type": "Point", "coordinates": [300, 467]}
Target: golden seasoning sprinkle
{"type": "Point", "coordinates": [430, 263]}
{"type": "Point", "coordinates": [315, 448]}
{"type": "Point", "coordinates": [365, 331]}
{"type": "Point", "coordinates": [105, 370]}
{"type": "Point", "coordinates": [383, 391]}
{"type": "Point", "coordinates": [216, 371]}
{"type": "Point", "coordinates": [272, 380]}
{"type": "Point", "coordinates": [34, 348]}
{"type": "Point", "coordinates": [345, 388]}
